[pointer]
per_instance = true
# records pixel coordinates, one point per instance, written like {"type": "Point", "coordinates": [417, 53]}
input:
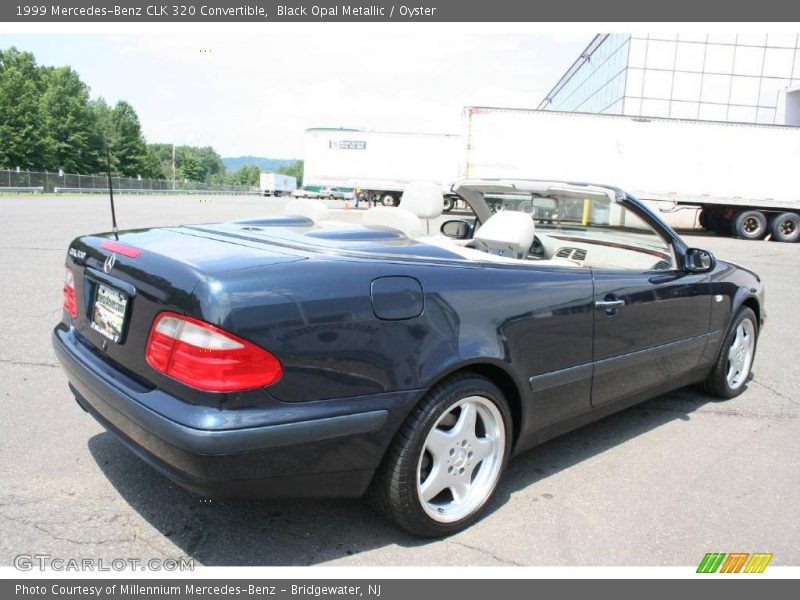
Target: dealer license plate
{"type": "Point", "coordinates": [108, 315]}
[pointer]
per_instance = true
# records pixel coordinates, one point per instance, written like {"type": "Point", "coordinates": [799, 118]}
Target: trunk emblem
{"type": "Point", "coordinates": [109, 263]}
{"type": "Point", "coordinates": [77, 254]}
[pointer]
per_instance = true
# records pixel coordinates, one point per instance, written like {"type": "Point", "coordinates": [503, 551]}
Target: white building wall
{"type": "Point", "coordinates": [717, 77]}
{"type": "Point", "coordinates": [598, 84]}
{"type": "Point", "coordinates": [791, 104]}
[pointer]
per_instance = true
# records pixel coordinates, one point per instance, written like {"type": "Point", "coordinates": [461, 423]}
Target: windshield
{"type": "Point", "coordinates": [594, 215]}
{"type": "Point", "coordinates": [607, 233]}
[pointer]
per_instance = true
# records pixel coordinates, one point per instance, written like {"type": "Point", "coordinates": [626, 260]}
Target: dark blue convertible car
{"type": "Point", "coordinates": [403, 358]}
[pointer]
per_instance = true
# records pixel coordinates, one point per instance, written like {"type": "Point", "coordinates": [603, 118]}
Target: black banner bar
{"type": "Point", "coordinates": [390, 589]}
{"type": "Point", "coordinates": [412, 11]}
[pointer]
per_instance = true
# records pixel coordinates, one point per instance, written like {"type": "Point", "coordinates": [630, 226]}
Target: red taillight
{"type": "Point", "coordinates": [207, 358]}
{"type": "Point", "coordinates": [70, 302]}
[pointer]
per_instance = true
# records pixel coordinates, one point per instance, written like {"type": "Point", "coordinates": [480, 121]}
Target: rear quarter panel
{"type": "Point", "coordinates": [317, 318]}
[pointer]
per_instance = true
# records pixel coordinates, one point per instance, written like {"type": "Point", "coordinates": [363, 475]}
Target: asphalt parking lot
{"type": "Point", "coordinates": [659, 484]}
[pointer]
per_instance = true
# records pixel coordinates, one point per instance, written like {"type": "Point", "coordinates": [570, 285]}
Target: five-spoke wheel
{"type": "Point", "coordinates": [740, 354]}
{"type": "Point", "coordinates": [461, 459]}
{"type": "Point", "coordinates": [732, 369]}
{"type": "Point", "coordinates": [444, 464]}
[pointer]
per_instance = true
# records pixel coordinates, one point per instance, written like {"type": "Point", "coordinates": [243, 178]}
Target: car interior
{"type": "Point", "coordinates": [552, 225]}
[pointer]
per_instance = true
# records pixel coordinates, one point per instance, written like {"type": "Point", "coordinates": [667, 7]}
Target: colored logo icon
{"type": "Point", "coordinates": [734, 562]}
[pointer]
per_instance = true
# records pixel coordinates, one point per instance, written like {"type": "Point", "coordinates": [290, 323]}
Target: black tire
{"type": "Point", "coordinates": [717, 381]}
{"type": "Point", "coordinates": [786, 227]}
{"type": "Point", "coordinates": [389, 200]}
{"type": "Point", "coordinates": [448, 204]}
{"type": "Point", "coordinates": [717, 223]}
{"type": "Point", "coordinates": [393, 492]}
{"type": "Point", "coordinates": [750, 225]}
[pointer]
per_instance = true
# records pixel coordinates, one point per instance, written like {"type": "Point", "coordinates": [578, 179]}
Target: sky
{"type": "Point", "coordinates": [252, 93]}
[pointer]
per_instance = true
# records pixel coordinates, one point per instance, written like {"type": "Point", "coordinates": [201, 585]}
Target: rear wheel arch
{"type": "Point", "coordinates": [398, 486]}
{"type": "Point", "coordinates": [499, 376]}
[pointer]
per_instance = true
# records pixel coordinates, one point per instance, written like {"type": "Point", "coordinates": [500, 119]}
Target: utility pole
{"type": "Point", "coordinates": [173, 167]}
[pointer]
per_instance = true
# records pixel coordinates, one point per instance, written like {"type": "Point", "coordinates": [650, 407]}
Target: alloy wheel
{"type": "Point", "coordinates": [461, 459]}
{"type": "Point", "coordinates": [740, 354]}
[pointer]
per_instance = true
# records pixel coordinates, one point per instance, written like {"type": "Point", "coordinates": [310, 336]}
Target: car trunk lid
{"type": "Point", "coordinates": [122, 282]}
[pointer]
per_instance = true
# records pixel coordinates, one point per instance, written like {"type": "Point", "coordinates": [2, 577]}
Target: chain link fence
{"type": "Point", "coordinates": [19, 181]}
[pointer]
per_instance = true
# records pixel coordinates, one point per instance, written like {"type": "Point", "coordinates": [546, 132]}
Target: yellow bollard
{"type": "Point", "coordinates": [587, 211]}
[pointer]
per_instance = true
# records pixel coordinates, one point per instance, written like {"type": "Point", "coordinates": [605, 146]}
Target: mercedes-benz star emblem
{"type": "Point", "coordinates": [109, 263]}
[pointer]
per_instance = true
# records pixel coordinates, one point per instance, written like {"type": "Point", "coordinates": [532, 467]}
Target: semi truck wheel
{"type": "Point", "coordinates": [786, 227]}
{"type": "Point", "coordinates": [389, 200]}
{"type": "Point", "coordinates": [750, 225]}
{"type": "Point", "coordinates": [448, 204]}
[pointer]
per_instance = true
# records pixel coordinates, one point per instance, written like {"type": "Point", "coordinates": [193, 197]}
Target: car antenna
{"type": "Point", "coordinates": [114, 228]}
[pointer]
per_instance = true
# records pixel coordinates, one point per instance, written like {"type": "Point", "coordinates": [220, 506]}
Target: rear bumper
{"type": "Point", "coordinates": [319, 452]}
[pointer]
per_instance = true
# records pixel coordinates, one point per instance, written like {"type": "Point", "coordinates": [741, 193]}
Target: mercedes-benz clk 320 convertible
{"type": "Point", "coordinates": [296, 356]}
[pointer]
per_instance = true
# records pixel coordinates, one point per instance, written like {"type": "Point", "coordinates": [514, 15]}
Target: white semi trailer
{"type": "Point", "coordinates": [275, 184]}
{"type": "Point", "coordinates": [731, 178]}
{"type": "Point", "coordinates": [380, 163]}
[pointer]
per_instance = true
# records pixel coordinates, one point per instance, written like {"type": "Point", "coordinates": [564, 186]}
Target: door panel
{"type": "Point", "coordinates": [656, 336]}
{"type": "Point", "coordinates": [548, 336]}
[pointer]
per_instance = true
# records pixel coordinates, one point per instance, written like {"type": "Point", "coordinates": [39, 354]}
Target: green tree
{"type": "Point", "coordinates": [294, 169]}
{"type": "Point", "coordinates": [153, 166]}
{"type": "Point", "coordinates": [210, 161]}
{"type": "Point", "coordinates": [101, 114]}
{"type": "Point", "coordinates": [244, 175]}
{"type": "Point", "coordinates": [20, 129]}
{"type": "Point", "coordinates": [161, 155]}
{"type": "Point", "coordinates": [130, 145]}
{"type": "Point", "coordinates": [48, 121]}
{"type": "Point", "coordinates": [204, 164]}
{"type": "Point", "coordinates": [122, 133]}
{"type": "Point", "coordinates": [190, 165]}
{"type": "Point", "coordinates": [69, 139]}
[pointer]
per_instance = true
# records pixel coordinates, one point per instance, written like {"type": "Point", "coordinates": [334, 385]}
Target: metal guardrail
{"type": "Point", "coordinates": [22, 189]}
{"type": "Point", "coordinates": [19, 181]}
{"type": "Point", "coordinates": [72, 190]}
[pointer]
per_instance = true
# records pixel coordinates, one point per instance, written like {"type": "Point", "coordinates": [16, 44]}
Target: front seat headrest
{"type": "Point", "coordinates": [507, 233]}
{"type": "Point", "coordinates": [314, 210]}
{"type": "Point", "coordinates": [423, 198]}
{"type": "Point", "coordinates": [396, 218]}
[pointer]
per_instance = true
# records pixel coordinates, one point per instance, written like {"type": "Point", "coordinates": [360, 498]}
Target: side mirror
{"type": "Point", "coordinates": [457, 229]}
{"type": "Point", "coordinates": [699, 261]}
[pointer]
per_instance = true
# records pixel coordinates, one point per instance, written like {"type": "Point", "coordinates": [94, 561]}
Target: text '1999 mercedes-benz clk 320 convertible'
{"type": "Point", "coordinates": [297, 356]}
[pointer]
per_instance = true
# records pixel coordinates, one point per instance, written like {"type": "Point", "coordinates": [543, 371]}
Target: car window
{"type": "Point", "coordinates": [592, 231]}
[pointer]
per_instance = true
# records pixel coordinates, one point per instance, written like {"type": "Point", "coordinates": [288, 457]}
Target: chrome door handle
{"type": "Point", "coordinates": [609, 304]}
